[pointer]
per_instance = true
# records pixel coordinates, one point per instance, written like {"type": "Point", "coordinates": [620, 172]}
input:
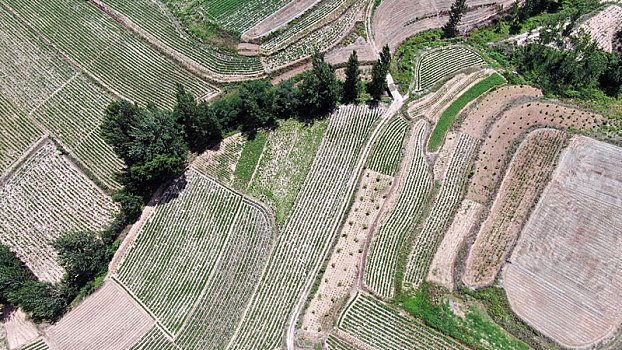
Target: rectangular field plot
{"type": "Point", "coordinates": [388, 151]}
{"type": "Point", "coordinates": [109, 319]}
{"type": "Point", "coordinates": [105, 49]}
{"type": "Point", "coordinates": [380, 327]}
{"type": "Point", "coordinates": [46, 196]}
{"type": "Point", "coordinates": [564, 276]}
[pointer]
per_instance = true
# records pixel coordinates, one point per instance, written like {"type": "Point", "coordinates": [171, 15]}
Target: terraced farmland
{"type": "Point", "coordinates": [380, 327]}
{"type": "Point", "coordinates": [45, 197]}
{"type": "Point", "coordinates": [235, 15]}
{"type": "Point", "coordinates": [107, 52]}
{"type": "Point", "coordinates": [334, 343]}
{"type": "Point", "coordinates": [437, 64]}
{"type": "Point", "coordinates": [156, 19]}
{"type": "Point", "coordinates": [445, 204]}
{"type": "Point", "coordinates": [414, 187]}
{"type": "Point", "coordinates": [307, 232]}
{"type": "Point", "coordinates": [388, 150]}
{"type": "Point", "coordinates": [526, 176]}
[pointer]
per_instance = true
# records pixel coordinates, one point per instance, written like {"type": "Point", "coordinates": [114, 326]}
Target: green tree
{"type": "Point", "coordinates": [286, 103]}
{"type": "Point", "coordinates": [82, 255]}
{"type": "Point", "coordinates": [120, 118]}
{"type": "Point", "coordinates": [258, 102]}
{"type": "Point", "coordinates": [352, 85]}
{"type": "Point", "coordinates": [458, 8]}
{"type": "Point", "coordinates": [378, 82]}
{"type": "Point", "coordinates": [320, 89]}
{"type": "Point", "coordinates": [385, 58]}
{"type": "Point", "coordinates": [201, 129]}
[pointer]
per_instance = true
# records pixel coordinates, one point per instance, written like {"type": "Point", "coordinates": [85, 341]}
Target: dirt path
{"type": "Point", "coordinates": [19, 330]}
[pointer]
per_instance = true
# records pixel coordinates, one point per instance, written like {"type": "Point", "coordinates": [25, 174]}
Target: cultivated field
{"type": "Point", "coordinates": [414, 183]}
{"type": "Point", "coordinates": [445, 204]}
{"type": "Point", "coordinates": [107, 52]}
{"type": "Point", "coordinates": [380, 327]}
{"type": "Point", "coordinates": [388, 151]}
{"type": "Point", "coordinates": [18, 133]}
{"type": "Point", "coordinates": [45, 197]}
{"type": "Point", "coordinates": [603, 27]}
{"type": "Point", "coordinates": [527, 175]}
{"type": "Point", "coordinates": [38, 345]}
{"type": "Point", "coordinates": [221, 161]}
{"type": "Point", "coordinates": [434, 65]}
{"type": "Point", "coordinates": [564, 274]}
{"type": "Point", "coordinates": [309, 229]}
{"type": "Point", "coordinates": [109, 319]}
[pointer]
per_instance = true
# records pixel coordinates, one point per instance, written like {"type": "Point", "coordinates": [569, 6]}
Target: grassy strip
{"type": "Point", "coordinates": [447, 118]}
{"type": "Point", "coordinates": [248, 160]}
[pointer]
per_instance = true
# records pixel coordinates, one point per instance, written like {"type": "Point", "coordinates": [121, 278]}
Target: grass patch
{"type": "Point", "coordinates": [474, 328]}
{"type": "Point", "coordinates": [447, 118]}
{"type": "Point", "coordinates": [248, 160]}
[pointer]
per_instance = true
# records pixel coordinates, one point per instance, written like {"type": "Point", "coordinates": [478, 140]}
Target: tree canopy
{"type": "Point", "coordinates": [458, 9]}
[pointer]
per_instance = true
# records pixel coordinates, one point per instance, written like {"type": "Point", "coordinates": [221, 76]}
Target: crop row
{"type": "Point", "coordinates": [17, 134]}
{"type": "Point", "coordinates": [38, 345]}
{"type": "Point", "coordinates": [220, 309]}
{"type": "Point", "coordinates": [306, 234]}
{"type": "Point", "coordinates": [428, 239]}
{"type": "Point", "coordinates": [297, 30]}
{"type": "Point", "coordinates": [440, 63]}
{"type": "Point", "coordinates": [221, 163]}
{"type": "Point", "coordinates": [154, 340]}
{"type": "Point", "coordinates": [525, 177]}
{"type": "Point", "coordinates": [398, 225]}
{"type": "Point", "coordinates": [156, 19]}
{"type": "Point", "coordinates": [334, 343]}
{"type": "Point", "coordinates": [381, 327]}
{"type": "Point", "coordinates": [318, 40]}
{"type": "Point", "coordinates": [104, 48]}
{"type": "Point", "coordinates": [388, 150]}
{"type": "Point", "coordinates": [239, 15]}
{"type": "Point", "coordinates": [178, 247]}
{"type": "Point", "coordinates": [44, 198]}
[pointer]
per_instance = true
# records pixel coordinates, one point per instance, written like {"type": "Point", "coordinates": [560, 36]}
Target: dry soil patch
{"type": "Point", "coordinates": [19, 330]}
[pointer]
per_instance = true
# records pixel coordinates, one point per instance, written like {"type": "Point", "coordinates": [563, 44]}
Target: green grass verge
{"type": "Point", "coordinates": [248, 160]}
{"type": "Point", "coordinates": [447, 118]}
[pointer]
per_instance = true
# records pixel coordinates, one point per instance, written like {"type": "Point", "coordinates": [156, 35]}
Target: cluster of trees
{"type": "Point", "coordinates": [569, 64]}
{"type": "Point", "coordinates": [83, 255]}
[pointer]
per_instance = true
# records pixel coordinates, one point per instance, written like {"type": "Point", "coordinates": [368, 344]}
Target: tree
{"type": "Point", "coordinates": [458, 8]}
{"type": "Point", "coordinates": [120, 118]}
{"type": "Point", "coordinates": [201, 129]}
{"type": "Point", "coordinates": [257, 108]}
{"type": "Point", "coordinates": [385, 58]}
{"type": "Point", "coordinates": [352, 85]}
{"type": "Point", "coordinates": [82, 255]}
{"type": "Point", "coordinates": [320, 89]}
{"type": "Point", "coordinates": [378, 82]}
{"type": "Point", "coordinates": [286, 103]}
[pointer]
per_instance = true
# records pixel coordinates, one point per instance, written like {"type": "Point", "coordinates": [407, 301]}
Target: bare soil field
{"type": "Point", "coordinates": [344, 264]}
{"type": "Point", "coordinates": [396, 20]}
{"type": "Point", "coordinates": [510, 126]}
{"type": "Point", "coordinates": [565, 274]}
{"type": "Point", "coordinates": [109, 319]}
{"type": "Point", "coordinates": [476, 119]}
{"type": "Point", "coordinates": [19, 330]}
{"type": "Point", "coordinates": [527, 174]}
{"type": "Point", "coordinates": [604, 25]}
{"type": "Point", "coordinates": [340, 54]}
{"type": "Point", "coordinates": [442, 267]}
{"type": "Point", "coordinates": [278, 19]}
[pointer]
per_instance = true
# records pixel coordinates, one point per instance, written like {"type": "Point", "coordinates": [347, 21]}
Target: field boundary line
{"type": "Point", "coordinates": [351, 187]}
{"type": "Point", "coordinates": [62, 86]}
{"type": "Point", "coordinates": [216, 266]}
{"type": "Point", "coordinates": [34, 147]}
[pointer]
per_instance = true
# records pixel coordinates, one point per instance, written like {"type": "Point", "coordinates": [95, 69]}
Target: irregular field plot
{"type": "Point", "coordinates": [306, 234]}
{"type": "Point", "coordinates": [46, 196]}
{"type": "Point", "coordinates": [395, 227]}
{"type": "Point", "coordinates": [525, 178]}
{"type": "Point", "coordinates": [155, 18]}
{"type": "Point", "coordinates": [380, 327]}
{"type": "Point", "coordinates": [564, 276]}
{"type": "Point", "coordinates": [109, 319]}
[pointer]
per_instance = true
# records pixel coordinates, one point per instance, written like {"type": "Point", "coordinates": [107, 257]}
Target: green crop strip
{"type": "Point", "coordinates": [248, 160]}
{"type": "Point", "coordinates": [447, 118]}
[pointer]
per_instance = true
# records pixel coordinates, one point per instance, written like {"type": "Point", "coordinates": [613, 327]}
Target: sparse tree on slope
{"type": "Point", "coordinates": [459, 8]}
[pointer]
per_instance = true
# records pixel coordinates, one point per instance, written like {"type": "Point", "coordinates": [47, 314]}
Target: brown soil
{"type": "Point", "coordinates": [525, 178]}
{"type": "Point", "coordinates": [603, 26]}
{"type": "Point", "coordinates": [340, 54]}
{"type": "Point", "coordinates": [278, 19]}
{"type": "Point", "coordinates": [565, 275]}
{"type": "Point", "coordinates": [19, 330]}
{"type": "Point", "coordinates": [109, 319]}
{"type": "Point", "coordinates": [248, 49]}
{"type": "Point", "coordinates": [509, 128]}
{"type": "Point", "coordinates": [442, 267]}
